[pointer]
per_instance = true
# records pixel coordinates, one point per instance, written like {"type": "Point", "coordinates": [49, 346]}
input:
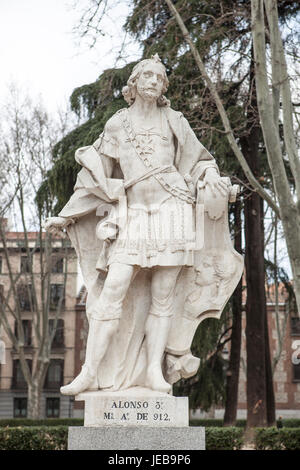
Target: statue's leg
{"type": "Point", "coordinates": [103, 324]}
{"type": "Point", "coordinates": [158, 324]}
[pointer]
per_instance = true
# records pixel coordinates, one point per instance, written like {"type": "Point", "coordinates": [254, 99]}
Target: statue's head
{"type": "Point", "coordinates": [130, 91]}
{"type": "Point", "coordinates": [215, 268]}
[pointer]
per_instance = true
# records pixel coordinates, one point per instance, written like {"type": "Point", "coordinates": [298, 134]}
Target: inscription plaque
{"type": "Point", "coordinates": [137, 406]}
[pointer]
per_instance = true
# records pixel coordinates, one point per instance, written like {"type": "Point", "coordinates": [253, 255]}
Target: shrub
{"type": "Point", "coordinates": [207, 422]}
{"type": "Point", "coordinates": [291, 423]}
{"type": "Point", "coordinates": [212, 422]}
{"type": "Point", "coordinates": [277, 439]}
{"type": "Point", "coordinates": [223, 438]}
{"type": "Point", "coordinates": [41, 422]}
{"type": "Point", "coordinates": [241, 423]}
{"type": "Point", "coordinates": [34, 438]}
{"type": "Point", "coordinates": [267, 439]}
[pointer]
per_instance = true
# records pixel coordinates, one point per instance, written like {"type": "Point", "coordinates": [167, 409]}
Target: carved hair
{"type": "Point", "coordinates": [129, 91]}
{"type": "Point", "coordinates": [224, 269]}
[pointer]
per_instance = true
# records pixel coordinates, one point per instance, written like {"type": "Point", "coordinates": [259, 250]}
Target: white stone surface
{"type": "Point", "coordinates": [149, 222]}
{"type": "Point", "coordinates": [136, 406]}
{"type": "Point", "coordinates": [281, 397]}
{"type": "Point", "coordinates": [136, 438]}
{"type": "Point", "coordinates": [242, 396]}
{"type": "Point", "coordinates": [280, 386]}
{"type": "Point", "coordinates": [280, 376]}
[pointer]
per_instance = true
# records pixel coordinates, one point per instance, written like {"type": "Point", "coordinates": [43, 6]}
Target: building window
{"type": "Point", "coordinates": [57, 264]}
{"type": "Point", "coordinates": [25, 296]}
{"type": "Point", "coordinates": [58, 340]}
{"type": "Point", "coordinates": [54, 377]}
{"type": "Point", "coordinates": [56, 293]}
{"type": "Point", "coordinates": [295, 326]}
{"type": "Point", "coordinates": [18, 380]}
{"type": "Point", "coordinates": [296, 372]}
{"type": "Point", "coordinates": [52, 407]}
{"type": "Point", "coordinates": [26, 264]}
{"type": "Point", "coordinates": [20, 407]}
{"type": "Point", "coordinates": [26, 324]}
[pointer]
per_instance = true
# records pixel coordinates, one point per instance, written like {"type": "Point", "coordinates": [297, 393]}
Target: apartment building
{"type": "Point", "coordinates": [62, 288]}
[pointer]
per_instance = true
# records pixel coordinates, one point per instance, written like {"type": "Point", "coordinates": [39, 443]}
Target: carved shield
{"type": "Point", "coordinates": [203, 290]}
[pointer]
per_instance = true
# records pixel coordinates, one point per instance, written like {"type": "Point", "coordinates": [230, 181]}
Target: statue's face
{"type": "Point", "coordinates": [151, 82]}
{"type": "Point", "coordinates": [206, 272]}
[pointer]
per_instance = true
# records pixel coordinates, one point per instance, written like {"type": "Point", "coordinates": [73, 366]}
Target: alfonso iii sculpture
{"type": "Point", "coordinates": [148, 220]}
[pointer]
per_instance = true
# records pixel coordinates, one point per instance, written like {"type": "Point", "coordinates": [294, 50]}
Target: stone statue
{"type": "Point", "coordinates": [148, 219]}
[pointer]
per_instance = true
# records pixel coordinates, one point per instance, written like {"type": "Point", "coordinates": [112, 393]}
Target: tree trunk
{"type": "Point", "coordinates": [34, 400]}
{"type": "Point", "coordinates": [233, 372]}
{"type": "Point", "coordinates": [271, 415]}
{"type": "Point", "coordinates": [260, 392]}
{"type": "Point", "coordinates": [259, 376]}
{"type": "Point", "coordinates": [255, 315]}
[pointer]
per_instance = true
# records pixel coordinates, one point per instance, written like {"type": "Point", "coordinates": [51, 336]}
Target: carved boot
{"type": "Point", "coordinates": [100, 333]}
{"type": "Point", "coordinates": [82, 382]}
{"type": "Point", "coordinates": [157, 330]}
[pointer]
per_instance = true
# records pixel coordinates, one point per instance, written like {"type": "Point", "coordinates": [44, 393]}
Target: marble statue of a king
{"type": "Point", "coordinates": [148, 220]}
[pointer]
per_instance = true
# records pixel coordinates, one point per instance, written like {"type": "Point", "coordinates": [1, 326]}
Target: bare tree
{"type": "Point", "coordinates": [25, 156]}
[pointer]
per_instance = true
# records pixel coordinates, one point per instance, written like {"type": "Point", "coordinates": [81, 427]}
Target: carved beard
{"type": "Point", "coordinates": [147, 94]}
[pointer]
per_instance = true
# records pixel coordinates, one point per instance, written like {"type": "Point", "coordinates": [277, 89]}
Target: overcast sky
{"type": "Point", "coordinates": [39, 51]}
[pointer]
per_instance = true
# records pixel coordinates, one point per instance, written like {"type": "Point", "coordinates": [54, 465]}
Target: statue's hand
{"type": "Point", "coordinates": [56, 224]}
{"type": "Point", "coordinates": [214, 181]}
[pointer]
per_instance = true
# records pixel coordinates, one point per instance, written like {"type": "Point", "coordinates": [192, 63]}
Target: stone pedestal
{"type": "Point", "coordinates": [136, 438]}
{"type": "Point", "coordinates": [135, 419]}
{"type": "Point", "coordinates": [136, 406]}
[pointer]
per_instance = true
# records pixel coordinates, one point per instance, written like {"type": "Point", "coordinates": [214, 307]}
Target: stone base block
{"type": "Point", "coordinates": [134, 407]}
{"type": "Point", "coordinates": [136, 438]}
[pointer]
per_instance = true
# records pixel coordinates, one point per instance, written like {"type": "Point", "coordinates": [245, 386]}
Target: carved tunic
{"type": "Point", "coordinates": [160, 226]}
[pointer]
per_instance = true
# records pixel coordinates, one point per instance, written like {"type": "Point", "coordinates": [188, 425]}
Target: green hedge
{"type": "Point", "coordinates": [34, 438]}
{"type": "Point", "coordinates": [215, 423]}
{"type": "Point", "coordinates": [41, 422]}
{"type": "Point", "coordinates": [241, 423]}
{"type": "Point", "coordinates": [277, 439]}
{"type": "Point", "coordinates": [56, 437]}
{"type": "Point", "coordinates": [207, 423]}
{"type": "Point", "coordinates": [224, 438]}
{"type": "Point", "coordinates": [290, 423]}
{"type": "Point", "coordinates": [217, 438]}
